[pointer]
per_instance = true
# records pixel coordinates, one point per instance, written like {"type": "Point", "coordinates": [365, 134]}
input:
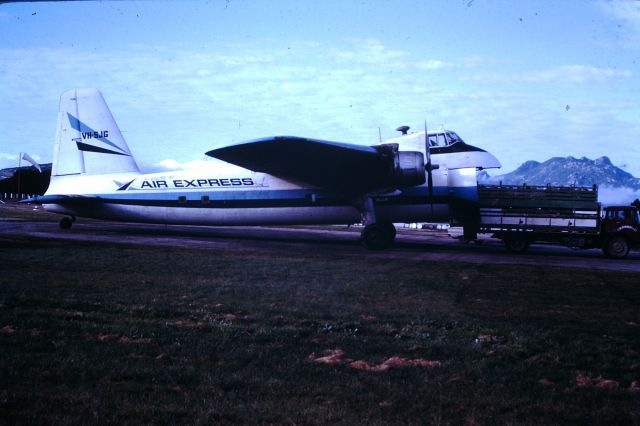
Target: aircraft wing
{"type": "Point", "coordinates": [347, 168]}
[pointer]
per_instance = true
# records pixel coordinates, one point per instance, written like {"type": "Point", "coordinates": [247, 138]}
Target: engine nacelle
{"type": "Point", "coordinates": [409, 169]}
{"type": "Point", "coordinates": [406, 167]}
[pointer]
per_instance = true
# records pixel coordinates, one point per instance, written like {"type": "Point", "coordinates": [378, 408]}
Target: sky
{"type": "Point", "coordinates": [525, 80]}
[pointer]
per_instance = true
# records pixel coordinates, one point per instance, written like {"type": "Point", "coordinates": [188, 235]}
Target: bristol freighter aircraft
{"type": "Point", "coordinates": [418, 177]}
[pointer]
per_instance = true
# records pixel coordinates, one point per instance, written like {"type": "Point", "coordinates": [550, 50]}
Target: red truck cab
{"type": "Point", "coordinates": [620, 230]}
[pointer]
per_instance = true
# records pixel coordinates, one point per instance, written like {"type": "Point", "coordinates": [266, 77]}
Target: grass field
{"type": "Point", "coordinates": [101, 333]}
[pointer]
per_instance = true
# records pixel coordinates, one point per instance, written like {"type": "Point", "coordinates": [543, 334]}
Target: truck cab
{"type": "Point", "coordinates": [620, 230]}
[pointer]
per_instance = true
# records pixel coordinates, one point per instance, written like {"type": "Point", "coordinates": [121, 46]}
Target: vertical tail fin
{"type": "Point", "coordinates": [88, 140]}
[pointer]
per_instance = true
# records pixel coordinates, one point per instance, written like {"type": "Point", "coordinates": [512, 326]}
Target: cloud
{"type": "Point", "coordinates": [627, 13]}
{"type": "Point", "coordinates": [169, 164]}
{"type": "Point", "coordinates": [578, 75]}
{"type": "Point", "coordinates": [575, 74]}
{"type": "Point", "coordinates": [625, 10]}
{"type": "Point", "coordinates": [178, 103]}
{"type": "Point", "coordinates": [369, 51]}
{"type": "Point", "coordinates": [7, 156]}
{"type": "Point", "coordinates": [617, 196]}
{"type": "Point", "coordinates": [433, 65]}
{"type": "Point", "coordinates": [206, 165]}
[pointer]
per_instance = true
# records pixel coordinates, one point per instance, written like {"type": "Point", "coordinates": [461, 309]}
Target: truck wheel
{"type": "Point", "coordinates": [516, 244]}
{"type": "Point", "coordinates": [616, 248]}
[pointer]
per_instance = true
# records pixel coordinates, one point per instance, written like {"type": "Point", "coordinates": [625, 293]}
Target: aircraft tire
{"type": "Point", "coordinates": [377, 236]}
{"type": "Point", "coordinates": [616, 248]}
{"type": "Point", "coordinates": [66, 222]}
{"type": "Point", "coordinates": [390, 229]}
{"type": "Point", "coordinates": [516, 244]}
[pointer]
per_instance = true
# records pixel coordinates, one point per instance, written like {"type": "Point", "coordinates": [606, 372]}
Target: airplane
{"type": "Point", "coordinates": [278, 180]}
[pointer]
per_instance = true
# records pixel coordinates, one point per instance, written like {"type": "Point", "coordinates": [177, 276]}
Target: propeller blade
{"type": "Point", "coordinates": [428, 165]}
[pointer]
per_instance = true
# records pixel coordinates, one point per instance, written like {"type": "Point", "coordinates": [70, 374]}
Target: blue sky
{"type": "Point", "coordinates": [522, 79]}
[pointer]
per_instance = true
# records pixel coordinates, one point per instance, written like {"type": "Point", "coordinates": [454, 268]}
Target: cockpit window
{"type": "Point", "coordinates": [452, 137]}
{"type": "Point", "coordinates": [437, 140]}
{"type": "Point", "coordinates": [444, 139]}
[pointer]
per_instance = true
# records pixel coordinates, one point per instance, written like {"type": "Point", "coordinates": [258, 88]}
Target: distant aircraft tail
{"type": "Point", "coordinates": [88, 140]}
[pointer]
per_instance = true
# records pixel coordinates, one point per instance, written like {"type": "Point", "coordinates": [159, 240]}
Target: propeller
{"type": "Point", "coordinates": [427, 166]}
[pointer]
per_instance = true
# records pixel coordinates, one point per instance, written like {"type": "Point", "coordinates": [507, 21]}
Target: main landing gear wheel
{"type": "Point", "coordinates": [66, 222]}
{"type": "Point", "coordinates": [516, 244]}
{"type": "Point", "coordinates": [616, 248]}
{"type": "Point", "coordinates": [378, 236]}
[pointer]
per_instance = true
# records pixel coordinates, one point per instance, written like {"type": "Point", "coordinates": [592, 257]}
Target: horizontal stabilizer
{"type": "Point", "coordinates": [58, 199]}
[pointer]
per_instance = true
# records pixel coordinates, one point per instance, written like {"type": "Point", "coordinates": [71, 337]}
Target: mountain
{"type": "Point", "coordinates": [567, 171]}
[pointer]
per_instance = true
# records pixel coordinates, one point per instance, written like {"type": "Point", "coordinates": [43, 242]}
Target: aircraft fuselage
{"type": "Point", "coordinates": [239, 198]}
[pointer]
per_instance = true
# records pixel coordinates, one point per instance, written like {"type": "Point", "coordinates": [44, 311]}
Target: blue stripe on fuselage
{"type": "Point", "coordinates": [281, 198]}
{"type": "Point", "coordinates": [468, 193]}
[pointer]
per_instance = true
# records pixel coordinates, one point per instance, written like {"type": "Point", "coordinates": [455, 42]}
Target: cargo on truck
{"type": "Point", "coordinates": [568, 215]}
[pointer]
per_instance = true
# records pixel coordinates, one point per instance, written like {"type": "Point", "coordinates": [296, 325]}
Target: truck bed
{"type": "Point", "coordinates": [545, 209]}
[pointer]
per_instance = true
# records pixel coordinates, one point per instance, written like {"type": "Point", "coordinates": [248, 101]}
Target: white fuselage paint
{"type": "Point", "coordinates": [243, 197]}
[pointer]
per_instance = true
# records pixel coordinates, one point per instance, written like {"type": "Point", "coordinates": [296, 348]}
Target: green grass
{"type": "Point", "coordinates": [100, 333]}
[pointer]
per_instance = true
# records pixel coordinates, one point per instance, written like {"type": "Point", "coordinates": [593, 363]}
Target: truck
{"type": "Point", "coordinates": [567, 215]}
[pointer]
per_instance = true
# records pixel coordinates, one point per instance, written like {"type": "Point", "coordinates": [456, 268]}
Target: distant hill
{"type": "Point", "coordinates": [560, 171]}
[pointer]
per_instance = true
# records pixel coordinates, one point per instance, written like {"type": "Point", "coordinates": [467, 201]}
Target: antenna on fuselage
{"type": "Point", "coordinates": [403, 129]}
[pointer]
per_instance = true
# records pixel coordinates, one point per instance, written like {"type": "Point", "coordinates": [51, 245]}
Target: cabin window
{"type": "Point", "coordinates": [182, 199]}
{"type": "Point", "coordinates": [205, 199]}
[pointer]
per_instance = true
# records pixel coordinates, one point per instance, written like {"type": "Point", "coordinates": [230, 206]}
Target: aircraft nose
{"type": "Point", "coordinates": [473, 156]}
{"type": "Point", "coordinates": [488, 161]}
